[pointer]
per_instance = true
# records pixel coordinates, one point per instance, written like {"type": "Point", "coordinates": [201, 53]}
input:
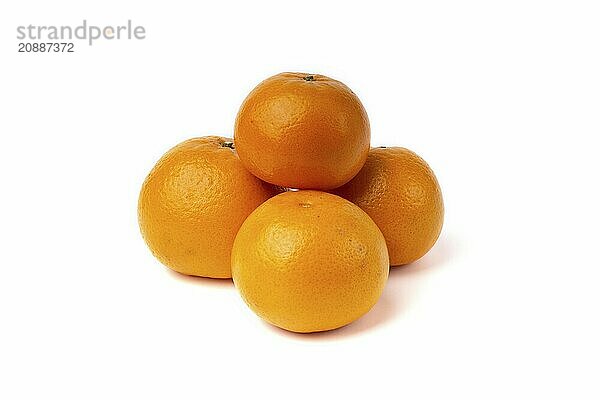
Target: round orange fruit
{"type": "Point", "coordinates": [309, 261]}
{"type": "Point", "coordinates": [302, 131]}
{"type": "Point", "coordinates": [400, 192]}
{"type": "Point", "coordinates": [193, 202]}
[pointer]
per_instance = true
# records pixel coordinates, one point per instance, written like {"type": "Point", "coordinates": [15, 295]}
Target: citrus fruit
{"type": "Point", "coordinates": [302, 131]}
{"type": "Point", "coordinates": [193, 202]}
{"type": "Point", "coordinates": [309, 261]}
{"type": "Point", "coordinates": [400, 192]}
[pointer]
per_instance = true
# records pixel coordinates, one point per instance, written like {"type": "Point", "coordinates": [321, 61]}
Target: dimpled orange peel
{"type": "Point", "coordinates": [309, 261]}
{"type": "Point", "coordinates": [304, 131]}
{"type": "Point", "coordinates": [400, 192]}
{"type": "Point", "coordinates": [193, 202]}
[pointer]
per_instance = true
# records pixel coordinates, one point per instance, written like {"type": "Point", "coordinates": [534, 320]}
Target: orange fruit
{"type": "Point", "coordinates": [193, 202]}
{"type": "Point", "coordinates": [400, 192]}
{"type": "Point", "coordinates": [302, 131]}
{"type": "Point", "coordinates": [309, 261]}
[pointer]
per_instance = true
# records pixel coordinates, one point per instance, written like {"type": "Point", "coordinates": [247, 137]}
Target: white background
{"type": "Point", "coordinates": [502, 98]}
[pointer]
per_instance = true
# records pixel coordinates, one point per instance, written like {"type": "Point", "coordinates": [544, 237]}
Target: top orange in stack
{"type": "Point", "coordinates": [305, 260]}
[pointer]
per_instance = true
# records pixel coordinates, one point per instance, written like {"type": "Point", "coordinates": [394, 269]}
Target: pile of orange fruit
{"type": "Point", "coordinates": [297, 208]}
